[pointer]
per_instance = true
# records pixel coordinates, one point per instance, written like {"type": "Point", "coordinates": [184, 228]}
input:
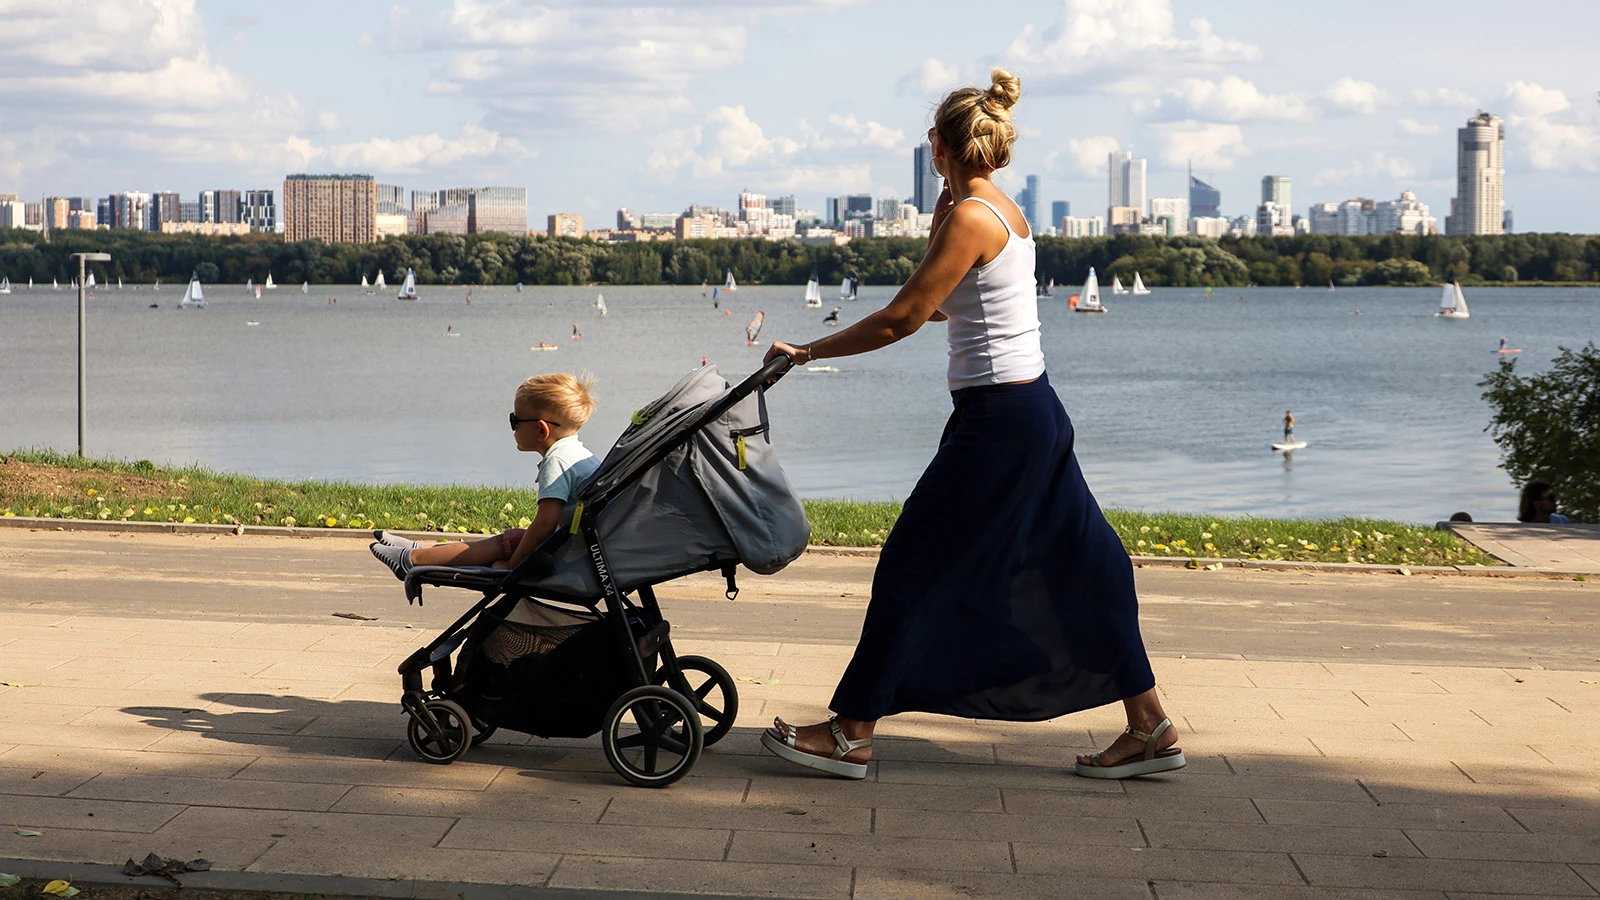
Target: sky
{"type": "Point", "coordinates": [656, 104]}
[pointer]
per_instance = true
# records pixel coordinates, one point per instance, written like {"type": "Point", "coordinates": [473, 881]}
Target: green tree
{"type": "Point", "coordinates": [1548, 426]}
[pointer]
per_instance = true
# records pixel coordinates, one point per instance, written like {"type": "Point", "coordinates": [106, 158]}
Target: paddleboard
{"type": "Point", "coordinates": [1297, 445]}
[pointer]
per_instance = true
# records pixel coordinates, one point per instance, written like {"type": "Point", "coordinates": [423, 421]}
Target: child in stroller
{"type": "Point", "coordinates": [546, 415]}
{"type": "Point", "coordinates": [571, 641]}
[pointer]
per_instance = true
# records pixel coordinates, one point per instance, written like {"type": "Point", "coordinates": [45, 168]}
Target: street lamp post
{"type": "Point", "coordinates": [83, 349]}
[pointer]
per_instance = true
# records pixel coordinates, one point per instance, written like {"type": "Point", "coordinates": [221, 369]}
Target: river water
{"type": "Point", "coordinates": [1175, 397]}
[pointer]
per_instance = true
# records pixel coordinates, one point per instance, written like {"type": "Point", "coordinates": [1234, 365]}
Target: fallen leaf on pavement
{"type": "Point", "coordinates": [357, 616]}
{"type": "Point", "coordinates": [169, 869]}
{"type": "Point", "coordinates": [9, 880]}
{"type": "Point", "coordinates": [60, 888]}
{"type": "Point", "coordinates": [29, 832]}
{"type": "Point", "coordinates": [1587, 681]}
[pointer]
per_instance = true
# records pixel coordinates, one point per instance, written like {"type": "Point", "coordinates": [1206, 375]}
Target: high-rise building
{"type": "Point", "coordinates": [446, 218]}
{"type": "Point", "coordinates": [1028, 201]}
{"type": "Point", "coordinates": [658, 221]}
{"type": "Point", "coordinates": [1175, 212]}
{"type": "Point", "coordinates": [422, 201]}
{"type": "Point", "coordinates": [392, 200]}
{"type": "Point", "coordinates": [188, 210]}
{"type": "Point", "coordinates": [627, 220]}
{"type": "Point", "coordinates": [888, 207]}
{"type": "Point", "coordinates": [130, 210]}
{"type": "Point", "coordinates": [208, 206]}
{"type": "Point", "coordinates": [13, 212]}
{"type": "Point", "coordinates": [565, 225]}
{"type": "Point", "coordinates": [1059, 209]}
{"type": "Point", "coordinates": [754, 212]}
{"type": "Point", "coordinates": [164, 208]}
{"type": "Point", "coordinates": [105, 211]}
{"type": "Point", "coordinates": [55, 212]}
{"type": "Point", "coordinates": [259, 210]}
{"type": "Point", "coordinates": [1205, 201]}
{"type": "Point", "coordinates": [229, 206]}
{"type": "Point", "coordinates": [1093, 226]}
{"type": "Point", "coordinates": [1407, 215]}
{"type": "Point", "coordinates": [1509, 221]}
{"type": "Point", "coordinates": [1208, 226]}
{"type": "Point", "coordinates": [335, 209]}
{"type": "Point", "coordinates": [1127, 180]}
{"type": "Point", "coordinates": [1324, 218]}
{"type": "Point", "coordinates": [1276, 189]}
{"type": "Point", "coordinates": [784, 206]}
{"type": "Point", "coordinates": [925, 182]}
{"type": "Point", "coordinates": [1274, 219]}
{"type": "Point", "coordinates": [1479, 204]}
{"type": "Point", "coordinates": [503, 209]}
{"type": "Point", "coordinates": [856, 206]}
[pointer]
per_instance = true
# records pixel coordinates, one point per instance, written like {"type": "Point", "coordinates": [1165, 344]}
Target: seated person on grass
{"type": "Point", "coordinates": [545, 418]}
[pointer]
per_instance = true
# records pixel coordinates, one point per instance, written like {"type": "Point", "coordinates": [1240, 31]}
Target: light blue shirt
{"type": "Point", "coordinates": [564, 468]}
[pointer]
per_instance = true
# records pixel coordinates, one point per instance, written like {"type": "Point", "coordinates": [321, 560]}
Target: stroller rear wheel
{"type": "Point", "coordinates": [652, 736]}
{"type": "Point", "coordinates": [711, 688]}
{"type": "Point", "coordinates": [451, 739]}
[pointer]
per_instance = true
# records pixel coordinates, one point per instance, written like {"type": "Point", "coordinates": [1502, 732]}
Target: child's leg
{"type": "Point", "coordinates": [458, 553]}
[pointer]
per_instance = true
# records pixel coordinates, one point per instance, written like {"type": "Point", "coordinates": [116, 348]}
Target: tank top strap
{"type": "Point", "coordinates": [998, 214]}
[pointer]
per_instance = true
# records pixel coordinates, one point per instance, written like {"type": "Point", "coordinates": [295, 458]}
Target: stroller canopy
{"type": "Point", "coordinates": [693, 484]}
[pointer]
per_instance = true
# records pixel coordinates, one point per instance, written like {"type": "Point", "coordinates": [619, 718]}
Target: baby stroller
{"type": "Point", "coordinates": [572, 642]}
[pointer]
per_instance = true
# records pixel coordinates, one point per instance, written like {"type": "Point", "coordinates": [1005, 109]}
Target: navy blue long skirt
{"type": "Point", "coordinates": [1002, 592]}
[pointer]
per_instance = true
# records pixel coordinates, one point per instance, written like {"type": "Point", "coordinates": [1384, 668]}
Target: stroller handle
{"type": "Point", "coordinates": [766, 376]}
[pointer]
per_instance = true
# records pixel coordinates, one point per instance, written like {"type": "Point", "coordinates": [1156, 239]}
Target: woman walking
{"type": "Point", "coordinates": [1001, 593]}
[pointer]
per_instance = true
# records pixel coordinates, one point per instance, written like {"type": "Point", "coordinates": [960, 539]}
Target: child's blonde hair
{"type": "Point", "coordinates": [565, 398]}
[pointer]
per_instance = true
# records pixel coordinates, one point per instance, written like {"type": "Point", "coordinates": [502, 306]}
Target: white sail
{"type": "Point", "coordinates": [269, 285]}
{"type": "Point", "coordinates": [408, 291]}
{"type": "Point", "coordinates": [813, 292]}
{"type": "Point", "coordinates": [305, 287]}
{"type": "Point", "coordinates": [847, 288]}
{"type": "Point", "coordinates": [1090, 299]}
{"type": "Point", "coordinates": [5, 285]}
{"type": "Point", "coordinates": [600, 303]}
{"type": "Point", "coordinates": [90, 282]}
{"type": "Point", "coordinates": [753, 330]}
{"type": "Point", "coordinates": [1452, 305]}
{"type": "Point", "coordinates": [119, 282]}
{"type": "Point", "coordinates": [730, 284]}
{"type": "Point", "coordinates": [258, 292]}
{"type": "Point", "coordinates": [55, 284]}
{"type": "Point", "coordinates": [1138, 285]}
{"type": "Point", "coordinates": [364, 284]}
{"type": "Point", "coordinates": [249, 284]}
{"type": "Point", "coordinates": [379, 283]}
{"type": "Point", "coordinates": [193, 296]}
{"type": "Point", "coordinates": [1116, 286]}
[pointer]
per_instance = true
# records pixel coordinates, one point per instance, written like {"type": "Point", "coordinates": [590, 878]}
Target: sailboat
{"type": "Point", "coordinates": [379, 285]}
{"type": "Point", "coordinates": [730, 284]}
{"type": "Point", "coordinates": [704, 286]}
{"type": "Point", "coordinates": [90, 282]}
{"type": "Point", "coordinates": [519, 287]}
{"type": "Point", "coordinates": [305, 287]}
{"type": "Point", "coordinates": [364, 285]}
{"type": "Point", "coordinates": [1116, 285]}
{"type": "Point", "coordinates": [249, 285]}
{"type": "Point", "coordinates": [55, 284]}
{"type": "Point", "coordinates": [258, 292]}
{"type": "Point", "coordinates": [600, 303]}
{"type": "Point", "coordinates": [1139, 289]}
{"type": "Point", "coordinates": [1089, 300]}
{"type": "Point", "coordinates": [408, 291]}
{"type": "Point", "coordinates": [193, 297]}
{"type": "Point", "coordinates": [156, 288]}
{"type": "Point", "coordinates": [1451, 304]}
{"type": "Point", "coordinates": [813, 292]}
{"type": "Point", "coordinates": [847, 288]}
{"type": "Point", "coordinates": [5, 285]}
{"type": "Point", "coordinates": [269, 285]}
{"type": "Point", "coordinates": [753, 330]}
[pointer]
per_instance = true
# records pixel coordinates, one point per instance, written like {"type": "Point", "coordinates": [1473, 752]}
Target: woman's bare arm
{"type": "Point", "coordinates": [952, 252]}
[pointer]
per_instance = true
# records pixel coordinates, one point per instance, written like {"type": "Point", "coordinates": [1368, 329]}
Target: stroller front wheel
{"type": "Point", "coordinates": [711, 688]}
{"type": "Point", "coordinates": [447, 742]}
{"type": "Point", "coordinates": [652, 736]}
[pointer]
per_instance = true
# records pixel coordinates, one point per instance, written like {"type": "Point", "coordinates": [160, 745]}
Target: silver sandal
{"type": "Point", "coordinates": [1152, 762]}
{"type": "Point", "coordinates": [782, 745]}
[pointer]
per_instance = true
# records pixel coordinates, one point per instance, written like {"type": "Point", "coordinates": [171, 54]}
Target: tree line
{"type": "Point", "coordinates": [495, 258]}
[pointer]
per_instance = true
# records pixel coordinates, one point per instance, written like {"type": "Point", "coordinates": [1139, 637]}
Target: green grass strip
{"type": "Point", "coordinates": [53, 485]}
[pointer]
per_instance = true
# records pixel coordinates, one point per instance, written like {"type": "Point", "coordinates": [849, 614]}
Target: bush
{"type": "Point", "coordinates": [1548, 426]}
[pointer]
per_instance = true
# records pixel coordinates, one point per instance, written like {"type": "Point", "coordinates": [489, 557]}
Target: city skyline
{"type": "Point", "coordinates": [592, 125]}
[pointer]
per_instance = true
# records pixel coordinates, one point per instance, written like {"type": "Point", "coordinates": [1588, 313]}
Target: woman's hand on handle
{"type": "Point", "coordinates": [798, 355]}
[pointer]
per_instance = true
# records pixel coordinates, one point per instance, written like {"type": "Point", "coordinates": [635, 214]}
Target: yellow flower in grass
{"type": "Point", "coordinates": [93, 492]}
{"type": "Point", "coordinates": [523, 522]}
{"type": "Point", "coordinates": [289, 521]}
{"type": "Point", "coordinates": [1210, 546]}
{"type": "Point", "coordinates": [1159, 546]}
{"type": "Point", "coordinates": [188, 520]}
{"type": "Point", "coordinates": [330, 521]}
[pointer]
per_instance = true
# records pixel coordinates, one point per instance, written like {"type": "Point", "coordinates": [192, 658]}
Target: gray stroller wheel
{"type": "Point", "coordinates": [652, 736]}
{"type": "Point", "coordinates": [713, 691]}
{"type": "Point", "coordinates": [451, 741]}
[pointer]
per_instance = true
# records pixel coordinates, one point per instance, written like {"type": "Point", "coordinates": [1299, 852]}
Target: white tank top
{"type": "Point", "coordinates": [994, 317]}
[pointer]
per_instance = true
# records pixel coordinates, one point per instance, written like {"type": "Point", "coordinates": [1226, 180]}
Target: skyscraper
{"type": "Point", "coordinates": [1127, 180]}
{"type": "Point", "coordinates": [1059, 209]}
{"type": "Point", "coordinates": [1205, 201]}
{"type": "Point", "coordinates": [335, 209]}
{"type": "Point", "coordinates": [1028, 201]}
{"type": "Point", "coordinates": [1276, 189]}
{"type": "Point", "coordinates": [259, 210]}
{"type": "Point", "coordinates": [498, 209]}
{"type": "Point", "coordinates": [926, 183]}
{"type": "Point", "coordinates": [1479, 204]}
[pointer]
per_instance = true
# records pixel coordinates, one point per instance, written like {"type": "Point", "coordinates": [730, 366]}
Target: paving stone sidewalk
{"type": "Point", "coordinates": [276, 747]}
{"type": "Point", "coordinates": [1565, 548]}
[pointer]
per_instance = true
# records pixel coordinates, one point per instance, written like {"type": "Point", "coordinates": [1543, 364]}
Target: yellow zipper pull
{"type": "Point", "coordinates": [738, 441]}
{"type": "Point", "coordinates": [577, 516]}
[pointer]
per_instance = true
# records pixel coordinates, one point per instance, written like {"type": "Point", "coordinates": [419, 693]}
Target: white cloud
{"type": "Point", "coordinates": [1211, 144]}
{"type": "Point", "coordinates": [1413, 127]}
{"type": "Point", "coordinates": [728, 145]}
{"type": "Point", "coordinates": [1549, 132]}
{"type": "Point", "coordinates": [1362, 170]}
{"type": "Point", "coordinates": [1353, 96]}
{"type": "Point", "coordinates": [1230, 100]}
{"type": "Point", "coordinates": [1442, 98]}
{"type": "Point", "coordinates": [1091, 153]}
{"type": "Point", "coordinates": [932, 77]}
{"type": "Point", "coordinates": [1116, 44]}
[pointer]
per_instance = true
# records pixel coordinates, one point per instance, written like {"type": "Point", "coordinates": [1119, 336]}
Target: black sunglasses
{"type": "Point", "coordinates": [516, 421]}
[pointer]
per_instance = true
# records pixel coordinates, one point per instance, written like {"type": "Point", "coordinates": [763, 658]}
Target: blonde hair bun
{"type": "Point", "coordinates": [975, 124]}
{"type": "Point", "coordinates": [1005, 90]}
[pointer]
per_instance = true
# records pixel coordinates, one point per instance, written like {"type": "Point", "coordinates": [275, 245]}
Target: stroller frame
{"type": "Point", "coordinates": [665, 736]}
